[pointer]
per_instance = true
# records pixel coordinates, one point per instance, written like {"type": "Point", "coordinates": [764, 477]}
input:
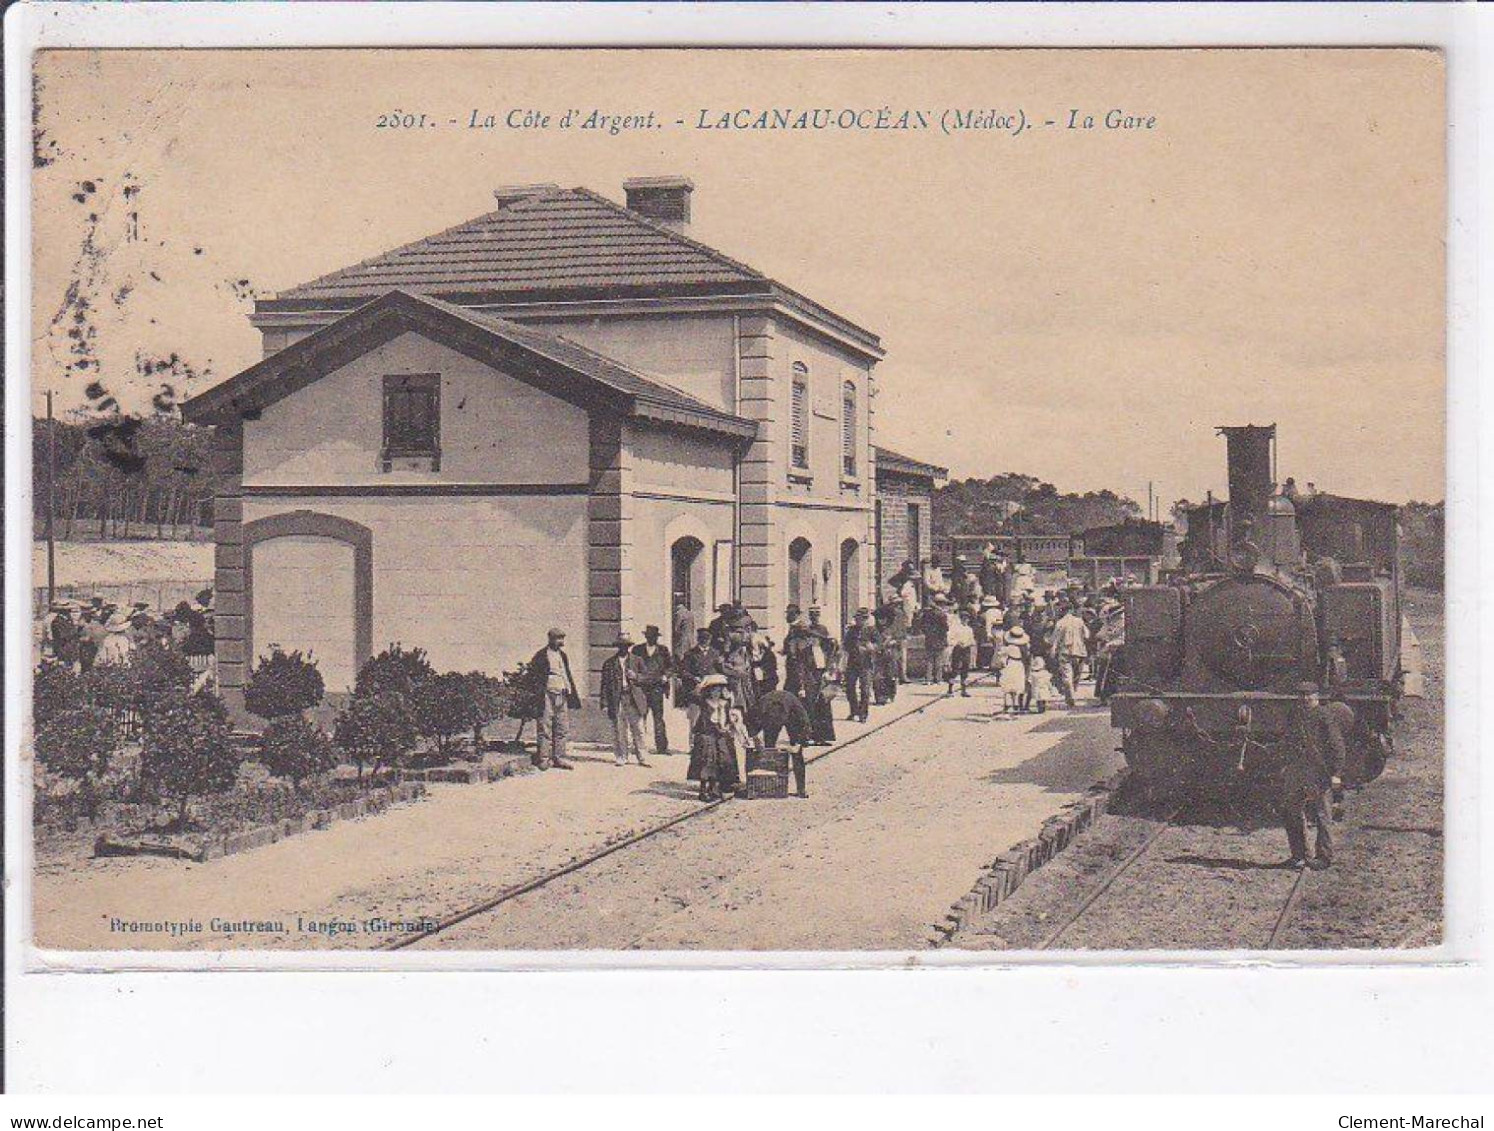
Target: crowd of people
{"type": "Point", "coordinates": [95, 633]}
{"type": "Point", "coordinates": [741, 691]}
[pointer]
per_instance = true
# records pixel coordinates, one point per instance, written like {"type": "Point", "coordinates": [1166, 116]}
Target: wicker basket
{"type": "Point", "coordinates": [766, 784]}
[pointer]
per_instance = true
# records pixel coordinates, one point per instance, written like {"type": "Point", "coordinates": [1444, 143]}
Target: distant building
{"type": "Point", "coordinates": [905, 507]}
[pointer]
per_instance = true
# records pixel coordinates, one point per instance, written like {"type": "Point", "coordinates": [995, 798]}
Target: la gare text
{"type": "Point", "coordinates": [849, 119]}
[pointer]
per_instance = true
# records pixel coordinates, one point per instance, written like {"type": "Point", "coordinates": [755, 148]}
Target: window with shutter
{"type": "Point", "coordinates": [412, 417]}
{"type": "Point", "coordinates": [799, 423]}
{"type": "Point", "coordinates": [848, 429]}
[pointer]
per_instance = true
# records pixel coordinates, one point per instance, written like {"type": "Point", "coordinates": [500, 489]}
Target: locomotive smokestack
{"type": "Point", "coordinates": [1250, 482]}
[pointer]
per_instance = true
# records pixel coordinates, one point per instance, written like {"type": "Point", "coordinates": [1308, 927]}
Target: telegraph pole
{"type": "Point", "coordinates": [51, 503]}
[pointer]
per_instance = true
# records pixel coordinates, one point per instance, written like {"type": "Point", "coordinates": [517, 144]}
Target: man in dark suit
{"type": "Point", "coordinates": [552, 696]}
{"type": "Point", "coordinates": [776, 712]}
{"type": "Point", "coordinates": [652, 667]}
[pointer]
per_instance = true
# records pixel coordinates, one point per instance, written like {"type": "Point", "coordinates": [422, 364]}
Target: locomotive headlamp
{"type": "Point", "coordinates": [1151, 714]}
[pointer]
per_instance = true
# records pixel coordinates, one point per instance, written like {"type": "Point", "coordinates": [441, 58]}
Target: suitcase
{"type": "Point", "coordinates": [771, 759]}
{"type": "Point", "coordinates": [766, 784]}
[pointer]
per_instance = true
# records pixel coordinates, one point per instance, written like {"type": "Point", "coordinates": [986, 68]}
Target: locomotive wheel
{"type": "Point", "coordinates": [1373, 754]}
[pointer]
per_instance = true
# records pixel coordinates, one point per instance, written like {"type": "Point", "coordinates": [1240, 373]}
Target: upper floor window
{"type": "Point", "coordinates": [799, 419]}
{"type": "Point", "coordinates": [412, 417]}
{"type": "Point", "coordinates": [848, 429]}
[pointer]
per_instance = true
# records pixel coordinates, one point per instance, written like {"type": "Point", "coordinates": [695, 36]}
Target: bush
{"type": "Point", "coordinates": [491, 698]}
{"type": "Point", "coordinates": [377, 730]}
{"type": "Point", "coordinates": [155, 672]}
{"type": "Point", "coordinates": [55, 689]}
{"type": "Point", "coordinates": [393, 671]}
{"type": "Point", "coordinates": [77, 745]}
{"type": "Point", "coordinates": [291, 747]}
{"type": "Point", "coordinates": [187, 751]}
{"type": "Point", "coordinates": [445, 706]}
{"type": "Point", "coordinates": [283, 683]}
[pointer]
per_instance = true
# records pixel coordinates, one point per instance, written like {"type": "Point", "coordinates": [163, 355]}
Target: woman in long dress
{"type": "Point", "coordinates": [713, 742]}
{"type": "Point", "coordinates": [1013, 679]}
{"type": "Point", "coordinates": [116, 647]}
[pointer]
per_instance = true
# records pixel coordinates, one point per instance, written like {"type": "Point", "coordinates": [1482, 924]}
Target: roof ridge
{"type": "Point", "coordinates": [387, 252]}
{"type": "Point", "coordinates": [665, 229]}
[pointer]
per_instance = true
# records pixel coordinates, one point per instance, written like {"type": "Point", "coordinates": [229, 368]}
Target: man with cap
{"type": "Point", "coordinates": [862, 643]}
{"type": "Point", "coordinates": [624, 700]}
{"type": "Point", "coordinates": [653, 665]}
{"type": "Point", "coordinates": [552, 697]}
{"type": "Point", "coordinates": [62, 633]}
{"type": "Point", "coordinates": [697, 663]}
{"type": "Point", "coordinates": [721, 626]}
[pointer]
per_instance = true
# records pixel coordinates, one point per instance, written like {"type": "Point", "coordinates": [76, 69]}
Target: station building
{"type": "Point", "coordinates": [563, 412]}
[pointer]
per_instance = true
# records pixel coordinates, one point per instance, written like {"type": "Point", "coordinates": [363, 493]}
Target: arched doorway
{"type": "Point", "coordinates": [687, 584]}
{"type": "Point", "coordinates": [800, 573]}
{"type": "Point", "coordinates": [850, 580]}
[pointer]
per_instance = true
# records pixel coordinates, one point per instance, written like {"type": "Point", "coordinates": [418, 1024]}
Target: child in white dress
{"type": "Point", "coordinates": [1041, 689]}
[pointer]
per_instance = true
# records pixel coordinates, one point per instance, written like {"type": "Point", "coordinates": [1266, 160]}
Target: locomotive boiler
{"type": "Point", "coordinates": [1283, 627]}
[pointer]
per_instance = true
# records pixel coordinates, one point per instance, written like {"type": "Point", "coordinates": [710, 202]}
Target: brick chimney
{"type": "Point", "coordinates": [665, 200]}
{"type": "Point", "coordinates": [512, 194]}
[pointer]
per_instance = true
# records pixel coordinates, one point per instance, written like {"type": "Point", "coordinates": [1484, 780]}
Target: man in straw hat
{"type": "Point", "coordinates": [625, 701]}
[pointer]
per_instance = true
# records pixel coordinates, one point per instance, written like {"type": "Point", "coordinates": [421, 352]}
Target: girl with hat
{"type": "Point", "coordinates": [713, 741]}
{"type": "Point", "coordinates": [1013, 679]}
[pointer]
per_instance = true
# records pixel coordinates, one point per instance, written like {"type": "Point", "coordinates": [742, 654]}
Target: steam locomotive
{"type": "Point", "coordinates": [1283, 626]}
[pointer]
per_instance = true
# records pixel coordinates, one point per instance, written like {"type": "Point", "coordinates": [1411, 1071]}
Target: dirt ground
{"type": "Point", "coordinates": [897, 827]}
{"type": "Point", "coordinates": [1214, 882]}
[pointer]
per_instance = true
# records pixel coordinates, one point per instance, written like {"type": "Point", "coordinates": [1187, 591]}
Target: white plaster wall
{"type": "Point", "coordinates": [691, 352]}
{"type": "Point", "coordinates": [476, 582]}
{"type": "Point", "coordinates": [676, 461]}
{"type": "Point", "coordinates": [657, 525]}
{"type": "Point", "coordinates": [494, 428]}
{"type": "Point", "coordinates": [303, 588]}
{"type": "Point", "coordinates": [829, 368]}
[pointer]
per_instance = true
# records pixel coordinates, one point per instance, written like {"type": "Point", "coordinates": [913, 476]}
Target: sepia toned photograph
{"type": "Point", "coordinates": [961, 502]}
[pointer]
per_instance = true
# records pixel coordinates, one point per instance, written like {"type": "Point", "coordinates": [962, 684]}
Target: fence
{"type": "Point", "coordinates": [159, 595]}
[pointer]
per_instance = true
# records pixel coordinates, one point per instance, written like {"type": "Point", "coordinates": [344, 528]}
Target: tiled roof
{"type": "Point", "coordinates": [563, 360]}
{"type": "Point", "coordinates": [888, 460]}
{"type": "Point", "coordinates": [562, 244]}
{"type": "Point", "coordinates": [567, 239]}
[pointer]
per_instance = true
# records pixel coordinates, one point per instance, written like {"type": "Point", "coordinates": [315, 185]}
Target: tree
{"type": "Point", "coordinates": [77, 744]}
{"type": "Point", "coordinates": [292, 747]}
{"type": "Point", "coordinates": [187, 750]}
{"type": "Point", "coordinates": [491, 698]}
{"type": "Point", "coordinates": [393, 671]}
{"type": "Point", "coordinates": [445, 706]}
{"type": "Point", "coordinates": [283, 683]}
{"type": "Point", "coordinates": [376, 730]}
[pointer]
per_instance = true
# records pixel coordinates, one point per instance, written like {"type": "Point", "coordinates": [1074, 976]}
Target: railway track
{"type": "Point", "coordinates": [495, 901]}
{"type": "Point", "coordinates": [1146, 851]}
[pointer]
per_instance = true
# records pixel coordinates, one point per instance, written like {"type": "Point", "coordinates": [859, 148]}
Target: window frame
{"type": "Point", "coordinates": [429, 383]}
{"type": "Point", "coordinates": [849, 401]}
{"type": "Point", "coordinates": [800, 412]}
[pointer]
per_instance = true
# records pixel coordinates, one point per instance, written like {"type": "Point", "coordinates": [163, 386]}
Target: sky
{"type": "Point", "coordinates": [1080, 305]}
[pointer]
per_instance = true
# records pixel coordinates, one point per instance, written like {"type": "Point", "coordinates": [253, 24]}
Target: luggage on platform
{"type": "Point", "coordinates": [766, 784]}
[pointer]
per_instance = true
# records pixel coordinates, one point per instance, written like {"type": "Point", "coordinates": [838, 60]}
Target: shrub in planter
{"type": "Point", "coordinates": [376, 730]}
{"type": "Point", "coordinates": [445, 706]}
{"type": "Point", "coordinates": [186, 750]}
{"type": "Point", "coordinates": [491, 697]}
{"type": "Point", "coordinates": [393, 671]}
{"type": "Point", "coordinates": [291, 747]}
{"type": "Point", "coordinates": [56, 688]}
{"type": "Point", "coordinates": [77, 745]}
{"type": "Point", "coordinates": [283, 683]}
